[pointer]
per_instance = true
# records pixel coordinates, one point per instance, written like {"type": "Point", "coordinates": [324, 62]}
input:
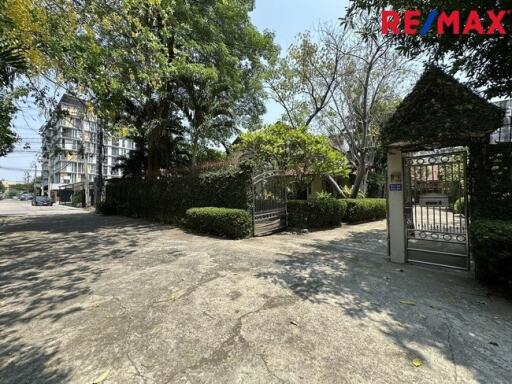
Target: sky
{"type": "Point", "coordinates": [286, 18]}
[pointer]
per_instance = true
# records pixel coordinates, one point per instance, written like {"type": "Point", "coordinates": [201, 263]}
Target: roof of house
{"type": "Point", "coordinates": [440, 112]}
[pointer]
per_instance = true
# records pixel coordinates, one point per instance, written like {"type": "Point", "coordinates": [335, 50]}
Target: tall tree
{"type": "Point", "coordinates": [12, 64]}
{"type": "Point", "coordinates": [303, 80]}
{"type": "Point", "coordinates": [483, 58]}
{"type": "Point", "coordinates": [349, 85]}
{"type": "Point", "coordinates": [147, 64]}
{"type": "Point", "coordinates": [366, 92]}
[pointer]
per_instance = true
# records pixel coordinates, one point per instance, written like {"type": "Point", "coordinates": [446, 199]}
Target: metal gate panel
{"type": "Point", "coordinates": [436, 234]}
{"type": "Point", "coordinates": [270, 191]}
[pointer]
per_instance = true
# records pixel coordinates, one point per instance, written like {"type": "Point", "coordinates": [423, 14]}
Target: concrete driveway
{"type": "Point", "coordinates": [86, 297]}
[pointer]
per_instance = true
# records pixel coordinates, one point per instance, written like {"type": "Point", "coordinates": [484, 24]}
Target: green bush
{"type": "Point", "coordinates": [458, 207]}
{"type": "Point", "coordinates": [491, 247]}
{"type": "Point", "coordinates": [226, 222]}
{"type": "Point", "coordinates": [316, 213]}
{"type": "Point", "coordinates": [322, 196]}
{"type": "Point", "coordinates": [76, 199]}
{"type": "Point", "coordinates": [361, 210]}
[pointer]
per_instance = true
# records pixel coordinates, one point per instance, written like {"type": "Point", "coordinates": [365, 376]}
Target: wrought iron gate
{"type": "Point", "coordinates": [436, 213]}
{"type": "Point", "coordinates": [270, 197]}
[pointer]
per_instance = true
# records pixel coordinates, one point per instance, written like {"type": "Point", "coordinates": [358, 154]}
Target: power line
{"type": "Point", "coordinates": [16, 169]}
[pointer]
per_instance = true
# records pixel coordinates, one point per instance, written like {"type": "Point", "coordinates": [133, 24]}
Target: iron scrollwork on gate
{"type": "Point", "coordinates": [435, 206]}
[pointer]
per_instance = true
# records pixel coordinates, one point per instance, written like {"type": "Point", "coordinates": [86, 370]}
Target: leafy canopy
{"type": "Point", "coordinates": [485, 59]}
{"type": "Point", "coordinates": [165, 68]}
{"type": "Point", "coordinates": [280, 146]}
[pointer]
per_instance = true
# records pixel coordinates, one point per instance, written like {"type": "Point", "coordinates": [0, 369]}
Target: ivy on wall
{"type": "Point", "coordinates": [168, 200]}
{"type": "Point", "coordinates": [491, 181]}
{"type": "Point", "coordinates": [440, 112]}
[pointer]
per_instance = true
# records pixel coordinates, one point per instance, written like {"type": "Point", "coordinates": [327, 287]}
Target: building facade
{"type": "Point", "coordinates": [69, 148]}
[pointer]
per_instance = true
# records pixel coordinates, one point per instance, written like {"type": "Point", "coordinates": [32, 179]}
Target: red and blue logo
{"type": "Point", "coordinates": [445, 22]}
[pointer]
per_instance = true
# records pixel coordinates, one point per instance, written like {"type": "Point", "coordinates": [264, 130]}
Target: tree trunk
{"type": "Point", "coordinates": [335, 185]}
{"type": "Point", "coordinates": [360, 175]}
{"type": "Point", "coordinates": [194, 149]}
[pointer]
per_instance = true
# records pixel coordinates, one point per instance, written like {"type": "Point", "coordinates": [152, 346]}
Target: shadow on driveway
{"type": "Point", "coordinates": [418, 308]}
{"type": "Point", "coordinates": [47, 261]}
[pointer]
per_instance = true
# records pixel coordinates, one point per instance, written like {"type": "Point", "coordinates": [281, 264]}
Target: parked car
{"type": "Point", "coordinates": [42, 200]}
{"type": "Point", "coordinates": [24, 197]}
{"type": "Point", "coordinates": [1, 196]}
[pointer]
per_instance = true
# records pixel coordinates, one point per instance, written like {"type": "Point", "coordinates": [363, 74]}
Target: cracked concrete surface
{"type": "Point", "coordinates": [83, 293]}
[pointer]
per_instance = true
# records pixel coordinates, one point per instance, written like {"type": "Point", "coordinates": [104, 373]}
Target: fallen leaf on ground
{"type": "Point", "coordinates": [494, 343]}
{"type": "Point", "coordinates": [293, 323]}
{"type": "Point", "coordinates": [417, 362]}
{"type": "Point", "coordinates": [422, 316]}
{"type": "Point", "coordinates": [101, 378]}
{"type": "Point", "coordinates": [408, 302]}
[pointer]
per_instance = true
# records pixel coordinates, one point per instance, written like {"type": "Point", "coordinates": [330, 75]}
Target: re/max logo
{"type": "Point", "coordinates": [452, 21]}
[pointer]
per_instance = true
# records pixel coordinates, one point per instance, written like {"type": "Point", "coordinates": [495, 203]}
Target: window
{"type": "Point", "coordinates": [90, 126]}
{"type": "Point", "coordinates": [76, 123]}
{"type": "Point", "coordinates": [69, 133]}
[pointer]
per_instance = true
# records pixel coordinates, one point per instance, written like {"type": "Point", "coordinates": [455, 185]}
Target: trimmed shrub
{"type": "Point", "coordinates": [226, 222]}
{"type": "Point", "coordinates": [491, 247]}
{"type": "Point", "coordinates": [458, 207]}
{"type": "Point", "coordinates": [316, 213]}
{"type": "Point", "coordinates": [361, 210]}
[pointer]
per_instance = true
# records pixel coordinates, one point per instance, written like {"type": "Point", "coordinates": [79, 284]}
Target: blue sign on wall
{"type": "Point", "coordinates": [395, 187]}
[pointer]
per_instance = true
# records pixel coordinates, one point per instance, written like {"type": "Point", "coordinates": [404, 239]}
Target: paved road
{"type": "Point", "coordinates": [9, 207]}
{"type": "Point", "coordinates": [82, 295]}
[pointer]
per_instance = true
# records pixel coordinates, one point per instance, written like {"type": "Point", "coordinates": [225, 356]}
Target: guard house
{"type": "Point", "coordinates": [430, 141]}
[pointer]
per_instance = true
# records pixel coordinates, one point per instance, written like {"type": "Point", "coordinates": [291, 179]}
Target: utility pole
{"type": "Point", "coordinates": [85, 157]}
{"type": "Point", "coordinates": [35, 177]}
{"type": "Point", "coordinates": [98, 185]}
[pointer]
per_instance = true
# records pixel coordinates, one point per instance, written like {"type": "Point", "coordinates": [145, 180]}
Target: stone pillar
{"type": "Point", "coordinates": [396, 221]}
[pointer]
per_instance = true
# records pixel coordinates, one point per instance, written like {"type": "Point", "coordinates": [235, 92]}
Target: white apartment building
{"type": "Point", "coordinates": [70, 145]}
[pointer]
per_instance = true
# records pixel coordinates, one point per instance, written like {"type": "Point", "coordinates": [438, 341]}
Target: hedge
{"type": "Point", "coordinates": [361, 210]}
{"type": "Point", "coordinates": [225, 222]}
{"type": "Point", "coordinates": [106, 208]}
{"type": "Point", "coordinates": [167, 200]}
{"type": "Point", "coordinates": [491, 247]}
{"type": "Point", "coordinates": [317, 213]}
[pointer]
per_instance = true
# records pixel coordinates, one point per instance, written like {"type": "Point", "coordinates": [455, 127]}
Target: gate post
{"type": "Point", "coordinates": [395, 193]}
